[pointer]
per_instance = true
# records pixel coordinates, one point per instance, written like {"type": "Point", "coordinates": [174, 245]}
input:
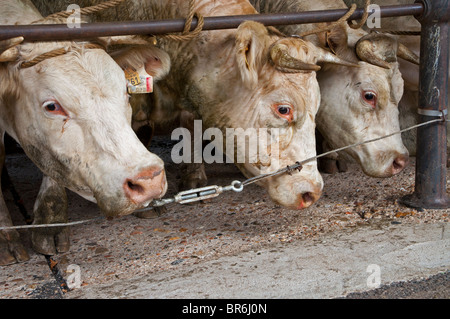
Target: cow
{"type": "Point", "coordinates": [410, 101]}
{"type": "Point", "coordinates": [249, 78]}
{"type": "Point", "coordinates": [357, 104]}
{"type": "Point", "coordinates": [71, 115]}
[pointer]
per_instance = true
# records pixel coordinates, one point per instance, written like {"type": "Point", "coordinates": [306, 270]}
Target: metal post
{"type": "Point", "coordinates": [431, 159]}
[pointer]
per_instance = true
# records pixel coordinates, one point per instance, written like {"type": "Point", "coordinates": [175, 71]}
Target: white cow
{"type": "Point", "coordinates": [71, 115]}
{"type": "Point", "coordinates": [358, 104]}
{"type": "Point", "coordinates": [409, 103]}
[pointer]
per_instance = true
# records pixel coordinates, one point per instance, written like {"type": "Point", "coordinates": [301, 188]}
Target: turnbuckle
{"type": "Point", "coordinates": [195, 195]}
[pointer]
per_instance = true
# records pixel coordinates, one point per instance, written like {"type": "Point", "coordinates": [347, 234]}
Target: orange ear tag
{"type": "Point", "coordinates": [139, 82]}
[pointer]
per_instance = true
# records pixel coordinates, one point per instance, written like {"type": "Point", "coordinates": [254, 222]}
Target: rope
{"type": "Point", "coordinates": [186, 35]}
{"type": "Point", "coordinates": [87, 10]}
{"type": "Point", "coordinates": [342, 20]}
{"type": "Point", "coordinates": [55, 53]}
{"type": "Point", "coordinates": [363, 18]}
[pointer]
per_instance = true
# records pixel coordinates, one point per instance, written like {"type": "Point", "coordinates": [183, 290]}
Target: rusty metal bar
{"type": "Point", "coordinates": [55, 32]}
{"type": "Point", "coordinates": [431, 159]}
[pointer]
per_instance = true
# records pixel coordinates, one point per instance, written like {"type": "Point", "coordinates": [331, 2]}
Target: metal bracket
{"type": "Point", "coordinates": [439, 113]}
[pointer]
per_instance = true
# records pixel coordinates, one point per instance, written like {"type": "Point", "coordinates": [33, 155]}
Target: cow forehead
{"type": "Point", "coordinates": [90, 74]}
{"type": "Point", "coordinates": [383, 79]}
{"type": "Point", "coordinates": [300, 89]}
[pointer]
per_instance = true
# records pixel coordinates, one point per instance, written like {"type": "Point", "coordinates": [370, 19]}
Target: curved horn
{"type": "Point", "coordinates": [380, 49]}
{"type": "Point", "coordinates": [406, 54]}
{"type": "Point", "coordinates": [8, 50]}
{"type": "Point", "coordinates": [281, 58]}
{"type": "Point", "coordinates": [375, 49]}
{"type": "Point", "coordinates": [328, 57]}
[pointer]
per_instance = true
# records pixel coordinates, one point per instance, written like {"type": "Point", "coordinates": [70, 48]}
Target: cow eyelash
{"type": "Point", "coordinates": [284, 111]}
{"type": "Point", "coordinates": [54, 108]}
{"type": "Point", "coordinates": [370, 97]}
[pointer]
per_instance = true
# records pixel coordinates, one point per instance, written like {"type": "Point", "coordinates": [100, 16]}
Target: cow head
{"type": "Point", "coordinates": [265, 85]}
{"type": "Point", "coordinates": [360, 104]}
{"type": "Point", "coordinates": [71, 115]}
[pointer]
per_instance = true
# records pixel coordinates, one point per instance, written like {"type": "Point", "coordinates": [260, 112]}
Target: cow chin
{"type": "Point", "coordinates": [118, 207]}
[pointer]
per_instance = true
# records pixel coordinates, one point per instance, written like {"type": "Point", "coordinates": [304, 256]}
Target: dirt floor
{"type": "Point", "coordinates": [127, 247]}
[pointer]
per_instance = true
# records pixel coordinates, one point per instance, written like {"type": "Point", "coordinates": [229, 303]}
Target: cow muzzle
{"type": "Point", "coordinates": [148, 184]}
{"type": "Point", "coordinates": [295, 192]}
{"type": "Point", "coordinates": [307, 199]}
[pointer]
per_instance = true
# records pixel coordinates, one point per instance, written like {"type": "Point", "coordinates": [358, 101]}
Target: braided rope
{"type": "Point", "coordinates": [186, 35]}
{"type": "Point", "coordinates": [343, 19]}
{"type": "Point", "coordinates": [87, 10]}
{"type": "Point", "coordinates": [53, 54]}
{"type": "Point", "coordinates": [363, 18]}
{"type": "Point", "coordinates": [332, 25]}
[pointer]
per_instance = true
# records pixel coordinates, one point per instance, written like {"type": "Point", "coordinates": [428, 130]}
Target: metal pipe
{"type": "Point", "coordinates": [56, 32]}
{"type": "Point", "coordinates": [431, 159]}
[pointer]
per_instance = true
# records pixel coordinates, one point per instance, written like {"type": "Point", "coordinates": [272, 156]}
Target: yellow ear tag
{"type": "Point", "coordinates": [132, 76]}
{"type": "Point", "coordinates": [139, 82]}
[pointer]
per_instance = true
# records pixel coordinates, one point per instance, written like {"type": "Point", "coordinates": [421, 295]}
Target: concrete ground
{"type": "Point", "coordinates": [333, 266]}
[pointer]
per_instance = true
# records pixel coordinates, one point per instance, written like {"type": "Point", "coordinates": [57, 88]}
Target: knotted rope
{"type": "Point", "coordinates": [342, 20]}
{"type": "Point", "coordinates": [186, 34]}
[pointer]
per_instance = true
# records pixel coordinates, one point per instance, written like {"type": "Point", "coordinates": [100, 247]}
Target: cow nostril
{"type": "Point", "coordinates": [135, 187]}
{"type": "Point", "coordinates": [150, 183]}
{"type": "Point", "coordinates": [308, 199]}
{"type": "Point", "coordinates": [399, 164]}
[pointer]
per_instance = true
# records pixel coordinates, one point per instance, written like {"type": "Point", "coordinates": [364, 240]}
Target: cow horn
{"type": "Point", "coordinates": [406, 54]}
{"type": "Point", "coordinates": [373, 48]}
{"type": "Point", "coordinates": [379, 49]}
{"type": "Point", "coordinates": [328, 57]}
{"type": "Point", "coordinates": [8, 49]}
{"type": "Point", "coordinates": [281, 58]}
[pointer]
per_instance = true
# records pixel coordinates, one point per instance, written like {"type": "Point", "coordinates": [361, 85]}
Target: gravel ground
{"type": "Point", "coordinates": [434, 287]}
{"type": "Point", "coordinates": [190, 234]}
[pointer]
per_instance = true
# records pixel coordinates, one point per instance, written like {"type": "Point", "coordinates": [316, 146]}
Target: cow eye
{"type": "Point", "coordinates": [54, 108]}
{"type": "Point", "coordinates": [370, 97]}
{"type": "Point", "coordinates": [284, 111]}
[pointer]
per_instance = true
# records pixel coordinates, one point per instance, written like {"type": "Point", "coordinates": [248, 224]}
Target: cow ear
{"type": "Point", "coordinates": [251, 38]}
{"type": "Point", "coordinates": [155, 60]}
{"type": "Point", "coordinates": [337, 40]}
